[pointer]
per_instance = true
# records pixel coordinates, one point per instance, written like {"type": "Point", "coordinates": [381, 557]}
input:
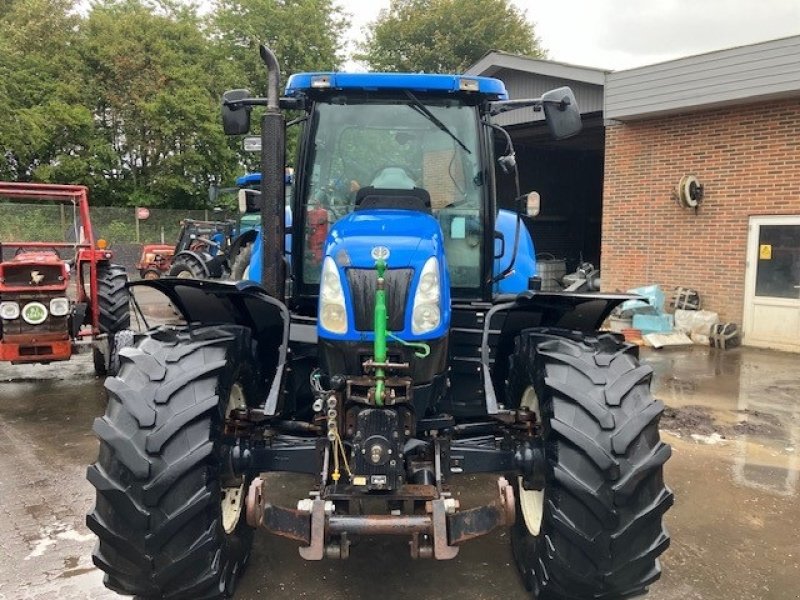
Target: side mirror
{"type": "Point", "coordinates": [561, 112]}
{"type": "Point", "coordinates": [249, 201]}
{"type": "Point", "coordinates": [529, 204]}
{"type": "Point", "coordinates": [235, 118]}
{"type": "Point", "coordinates": [499, 245]}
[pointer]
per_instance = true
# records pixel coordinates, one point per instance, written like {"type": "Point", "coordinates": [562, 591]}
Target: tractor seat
{"type": "Point", "coordinates": [370, 198]}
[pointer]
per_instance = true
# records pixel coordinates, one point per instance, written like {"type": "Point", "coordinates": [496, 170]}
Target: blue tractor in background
{"type": "Point", "coordinates": [405, 343]}
{"type": "Point", "coordinates": [246, 249]}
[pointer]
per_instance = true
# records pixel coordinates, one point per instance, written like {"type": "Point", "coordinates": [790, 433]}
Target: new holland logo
{"type": "Point", "coordinates": [380, 253]}
{"type": "Point", "coordinates": [36, 277]}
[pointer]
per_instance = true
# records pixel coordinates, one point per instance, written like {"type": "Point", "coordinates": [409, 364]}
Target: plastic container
{"type": "Point", "coordinates": [653, 323]}
{"type": "Point", "coordinates": [652, 293]}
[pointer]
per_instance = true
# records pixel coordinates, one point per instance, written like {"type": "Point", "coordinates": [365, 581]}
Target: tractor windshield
{"type": "Point", "coordinates": [397, 144]}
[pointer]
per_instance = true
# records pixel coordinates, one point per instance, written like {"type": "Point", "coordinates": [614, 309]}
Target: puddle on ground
{"type": "Point", "coordinates": [746, 400]}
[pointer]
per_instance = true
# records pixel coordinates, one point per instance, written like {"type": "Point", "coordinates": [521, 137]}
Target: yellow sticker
{"type": "Point", "coordinates": [765, 252]}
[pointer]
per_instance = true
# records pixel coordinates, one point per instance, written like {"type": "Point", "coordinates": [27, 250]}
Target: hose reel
{"type": "Point", "coordinates": [690, 192]}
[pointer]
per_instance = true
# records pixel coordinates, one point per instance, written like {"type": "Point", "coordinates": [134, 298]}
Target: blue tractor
{"type": "Point", "coordinates": [405, 344]}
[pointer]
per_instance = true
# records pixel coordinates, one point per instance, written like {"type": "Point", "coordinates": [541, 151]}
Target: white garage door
{"type": "Point", "coordinates": [772, 294]}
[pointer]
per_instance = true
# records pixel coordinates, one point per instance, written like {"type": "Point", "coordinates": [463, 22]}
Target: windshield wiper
{"type": "Point", "coordinates": [424, 111]}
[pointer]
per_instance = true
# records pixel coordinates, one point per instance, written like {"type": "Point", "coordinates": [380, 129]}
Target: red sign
{"type": "Point", "coordinates": [142, 213]}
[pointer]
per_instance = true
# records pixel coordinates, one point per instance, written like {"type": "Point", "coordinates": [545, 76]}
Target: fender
{"type": "Point", "coordinates": [248, 237]}
{"type": "Point", "coordinates": [242, 303]}
{"type": "Point", "coordinates": [200, 257]}
{"type": "Point", "coordinates": [555, 310]}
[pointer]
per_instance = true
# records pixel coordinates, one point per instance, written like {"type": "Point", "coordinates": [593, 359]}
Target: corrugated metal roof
{"type": "Point", "coordinates": [733, 76]}
{"type": "Point", "coordinates": [495, 61]}
{"type": "Point", "coordinates": [526, 77]}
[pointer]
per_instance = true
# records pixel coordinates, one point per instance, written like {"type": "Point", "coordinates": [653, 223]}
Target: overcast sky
{"type": "Point", "coordinates": [620, 34]}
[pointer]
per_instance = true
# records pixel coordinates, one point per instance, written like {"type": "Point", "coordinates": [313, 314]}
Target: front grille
{"type": "Point", "coordinates": [19, 326]}
{"type": "Point", "coordinates": [32, 276]}
{"type": "Point", "coordinates": [363, 283]}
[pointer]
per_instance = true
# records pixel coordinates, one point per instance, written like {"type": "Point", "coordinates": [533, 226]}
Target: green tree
{"type": "Point", "coordinates": [45, 122]}
{"type": "Point", "coordinates": [156, 102]}
{"type": "Point", "coordinates": [445, 36]}
{"type": "Point", "coordinates": [306, 35]}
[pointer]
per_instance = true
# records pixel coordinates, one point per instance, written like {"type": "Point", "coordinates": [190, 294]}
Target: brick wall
{"type": "Point", "coordinates": [748, 159]}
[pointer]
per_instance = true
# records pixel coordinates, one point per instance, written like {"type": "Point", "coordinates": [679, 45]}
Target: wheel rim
{"type": "Point", "coordinates": [531, 502]}
{"type": "Point", "coordinates": [232, 497]}
{"type": "Point", "coordinates": [151, 275]}
{"type": "Point", "coordinates": [185, 274]}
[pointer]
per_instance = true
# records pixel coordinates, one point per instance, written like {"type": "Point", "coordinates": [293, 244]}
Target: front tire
{"type": "Point", "coordinates": [187, 267]}
{"type": "Point", "coordinates": [107, 363]}
{"type": "Point", "coordinates": [163, 513]}
{"type": "Point", "coordinates": [595, 530]}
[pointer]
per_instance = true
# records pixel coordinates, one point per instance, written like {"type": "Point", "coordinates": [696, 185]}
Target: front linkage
{"type": "Point", "coordinates": [390, 458]}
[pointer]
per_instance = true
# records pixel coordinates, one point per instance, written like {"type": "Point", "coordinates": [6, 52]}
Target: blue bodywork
{"type": "Point", "coordinates": [250, 180]}
{"type": "Point", "coordinates": [524, 266]}
{"type": "Point", "coordinates": [411, 237]}
{"type": "Point", "coordinates": [487, 87]}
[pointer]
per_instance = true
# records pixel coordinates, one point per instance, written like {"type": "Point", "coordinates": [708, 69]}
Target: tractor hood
{"type": "Point", "coordinates": [34, 270]}
{"type": "Point", "coordinates": [406, 240]}
{"type": "Point", "coordinates": [411, 238]}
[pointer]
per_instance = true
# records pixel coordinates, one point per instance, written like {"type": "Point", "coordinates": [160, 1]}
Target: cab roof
{"type": "Point", "coordinates": [459, 85]}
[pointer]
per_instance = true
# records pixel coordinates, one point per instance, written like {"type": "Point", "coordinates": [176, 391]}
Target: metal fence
{"type": "Point", "coordinates": [117, 225]}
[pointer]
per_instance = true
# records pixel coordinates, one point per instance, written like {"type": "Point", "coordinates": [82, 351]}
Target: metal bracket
{"type": "Point", "coordinates": [442, 550]}
{"type": "Point", "coordinates": [316, 549]}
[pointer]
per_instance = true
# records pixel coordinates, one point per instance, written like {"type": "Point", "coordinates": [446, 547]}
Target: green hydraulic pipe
{"type": "Point", "coordinates": [381, 321]}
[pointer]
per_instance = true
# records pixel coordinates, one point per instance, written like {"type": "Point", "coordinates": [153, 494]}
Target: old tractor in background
{"type": "Point", "coordinates": [202, 249]}
{"type": "Point", "coordinates": [413, 346]}
{"type": "Point", "coordinates": [155, 260]}
{"type": "Point", "coordinates": [42, 317]}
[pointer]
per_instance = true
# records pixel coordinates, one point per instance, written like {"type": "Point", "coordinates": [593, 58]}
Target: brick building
{"type": "Point", "coordinates": [731, 119]}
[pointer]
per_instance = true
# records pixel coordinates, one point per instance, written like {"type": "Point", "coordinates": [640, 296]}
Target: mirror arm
{"type": "Point", "coordinates": [239, 104]}
{"type": "Point", "coordinates": [502, 106]}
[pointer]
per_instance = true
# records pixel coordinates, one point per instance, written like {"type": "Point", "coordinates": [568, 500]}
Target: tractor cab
{"type": "Point", "coordinates": [374, 144]}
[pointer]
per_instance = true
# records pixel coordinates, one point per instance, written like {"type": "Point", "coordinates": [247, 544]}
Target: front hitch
{"type": "Point", "coordinates": [437, 533]}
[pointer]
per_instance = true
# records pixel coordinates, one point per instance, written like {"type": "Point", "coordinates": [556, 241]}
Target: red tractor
{"type": "Point", "coordinates": [42, 317]}
{"type": "Point", "coordinates": [155, 261]}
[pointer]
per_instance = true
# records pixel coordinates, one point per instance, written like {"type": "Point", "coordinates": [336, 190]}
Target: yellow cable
{"type": "Point", "coordinates": [335, 476]}
{"type": "Point", "coordinates": [344, 455]}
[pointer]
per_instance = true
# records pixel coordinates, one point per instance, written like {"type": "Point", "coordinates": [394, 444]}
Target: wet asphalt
{"type": "Point", "coordinates": [733, 420]}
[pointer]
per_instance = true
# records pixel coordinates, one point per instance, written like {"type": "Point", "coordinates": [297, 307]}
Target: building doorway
{"type": "Point", "coordinates": [772, 290]}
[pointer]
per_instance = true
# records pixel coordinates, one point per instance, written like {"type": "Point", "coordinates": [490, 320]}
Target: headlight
{"type": "Point", "coordinates": [9, 310]}
{"type": "Point", "coordinates": [332, 310]}
{"type": "Point", "coordinates": [427, 314]}
{"type": "Point", "coordinates": [34, 313]}
{"type": "Point", "coordinates": [59, 307]}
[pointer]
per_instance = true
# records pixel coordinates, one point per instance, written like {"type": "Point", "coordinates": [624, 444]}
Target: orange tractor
{"type": "Point", "coordinates": [59, 297]}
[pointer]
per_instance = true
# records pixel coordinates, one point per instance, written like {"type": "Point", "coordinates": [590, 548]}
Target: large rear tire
{"type": "Point", "coordinates": [595, 530]}
{"type": "Point", "coordinates": [170, 521]}
{"type": "Point", "coordinates": [113, 298]}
